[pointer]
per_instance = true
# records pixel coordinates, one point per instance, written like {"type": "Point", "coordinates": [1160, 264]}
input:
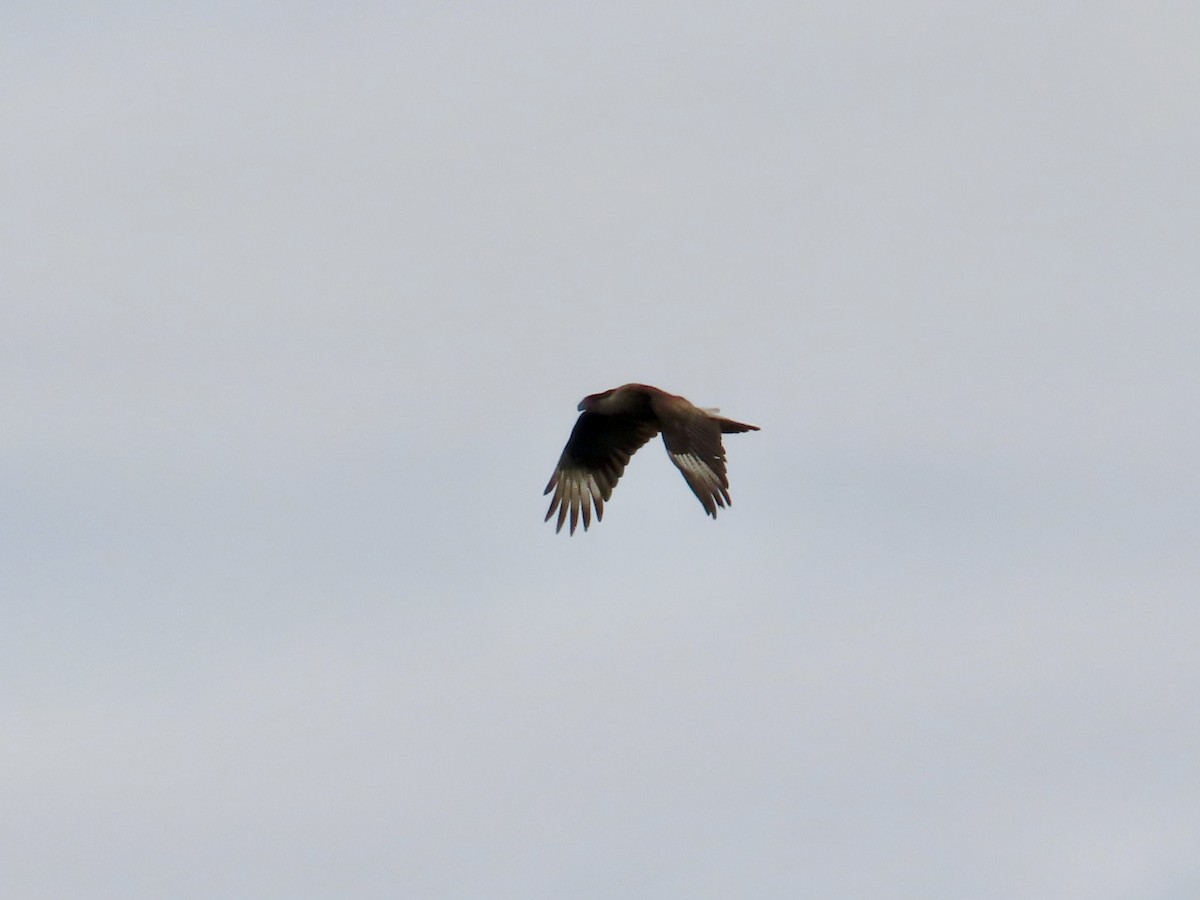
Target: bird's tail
{"type": "Point", "coordinates": [728, 426]}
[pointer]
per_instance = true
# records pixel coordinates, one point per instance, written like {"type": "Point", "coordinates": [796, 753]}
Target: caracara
{"type": "Point", "coordinates": [613, 425]}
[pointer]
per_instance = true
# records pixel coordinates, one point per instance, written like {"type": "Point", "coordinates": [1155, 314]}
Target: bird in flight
{"type": "Point", "coordinates": [613, 425]}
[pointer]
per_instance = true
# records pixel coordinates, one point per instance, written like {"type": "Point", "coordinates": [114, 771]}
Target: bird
{"type": "Point", "coordinates": [612, 426]}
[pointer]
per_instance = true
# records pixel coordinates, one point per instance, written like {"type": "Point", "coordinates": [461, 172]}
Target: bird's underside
{"type": "Point", "coordinates": [610, 429]}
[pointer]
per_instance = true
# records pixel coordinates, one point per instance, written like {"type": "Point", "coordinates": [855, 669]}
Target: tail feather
{"type": "Point", "coordinates": [728, 426]}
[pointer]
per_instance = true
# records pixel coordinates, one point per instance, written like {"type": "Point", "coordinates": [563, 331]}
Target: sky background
{"type": "Point", "coordinates": [297, 303]}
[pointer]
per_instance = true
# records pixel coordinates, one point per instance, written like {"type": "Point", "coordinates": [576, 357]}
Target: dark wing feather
{"type": "Point", "coordinates": [693, 440]}
{"type": "Point", "coordinates": [591, 464]}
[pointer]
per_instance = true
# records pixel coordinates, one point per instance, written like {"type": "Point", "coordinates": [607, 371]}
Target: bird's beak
{"type": "Point", "coordinates": [582, 406]}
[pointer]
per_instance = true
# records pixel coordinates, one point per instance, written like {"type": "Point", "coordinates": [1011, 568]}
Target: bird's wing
{"type": "Point", "coordinates": [591, 464]}
{"type": "Point", "coordinates": [693, 440]}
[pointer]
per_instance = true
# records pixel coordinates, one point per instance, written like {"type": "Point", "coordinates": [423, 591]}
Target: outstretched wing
{"type": "Point", "coordinates": [693, 440]}
{"type": "Point", "coordinates": [591, 464]}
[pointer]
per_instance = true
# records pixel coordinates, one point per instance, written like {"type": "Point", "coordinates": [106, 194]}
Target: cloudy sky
{"type": "Point", "coordinates": [298, 301]}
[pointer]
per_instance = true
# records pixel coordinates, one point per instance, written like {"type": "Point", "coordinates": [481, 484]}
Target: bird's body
{"type": "Point", "coordinates": [613, 425]}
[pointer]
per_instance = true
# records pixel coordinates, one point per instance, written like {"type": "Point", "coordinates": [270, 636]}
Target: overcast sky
{"type": "Point", "coordinates": [297, 302]}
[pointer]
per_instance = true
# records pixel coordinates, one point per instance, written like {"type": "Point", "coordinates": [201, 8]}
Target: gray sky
{"type": "Point", "coordinates": [298, 301]}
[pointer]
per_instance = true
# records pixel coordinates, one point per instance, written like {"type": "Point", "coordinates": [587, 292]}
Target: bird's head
{"type": "Point", "coordinates": [591, 401]}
